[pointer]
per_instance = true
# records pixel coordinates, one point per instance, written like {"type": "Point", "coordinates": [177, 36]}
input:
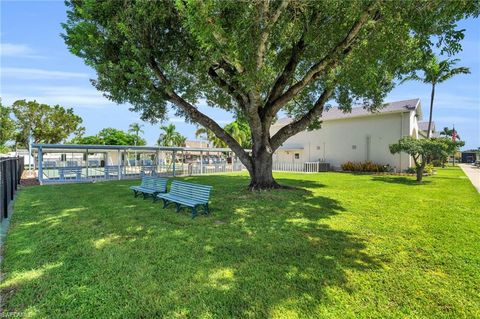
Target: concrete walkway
{"type": "Point", "coordinates": [473, 174]}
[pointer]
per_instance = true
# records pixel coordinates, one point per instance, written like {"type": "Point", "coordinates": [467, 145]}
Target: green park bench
{"type": "Point", "coordinates": [189, 195]}
{"type": "Point", "coordinates": [151, 186]}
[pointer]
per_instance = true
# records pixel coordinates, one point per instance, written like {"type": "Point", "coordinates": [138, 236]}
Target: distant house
{"type": "Point", "coordinates": [356, 136]}
{"type": "Point", "coordinates": [469, 156]}
{"type": "Point", "coordinates": [423, 129]}
{"type": "Point", "coordinates": [196, 144]}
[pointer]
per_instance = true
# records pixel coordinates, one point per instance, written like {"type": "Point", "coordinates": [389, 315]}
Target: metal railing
{"type": "Point", "coordinates": [11, 169]}
{"type": "Point", "coordinates": [90, 173]}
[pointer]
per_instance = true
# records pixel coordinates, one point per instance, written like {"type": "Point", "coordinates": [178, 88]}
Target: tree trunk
{"type": "Point", "coordinates": [431, 111]}
{"type": "Point", "coordinates": [420, 169]}
{"type": "Point", "coordinates": [261, 177]}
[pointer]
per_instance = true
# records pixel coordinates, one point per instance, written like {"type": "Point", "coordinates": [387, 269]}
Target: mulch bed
{"type": "Point", "coordinates": [28, 180]}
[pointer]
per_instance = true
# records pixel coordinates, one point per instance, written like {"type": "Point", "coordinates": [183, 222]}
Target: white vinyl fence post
{"type": "Point", "coordinates": [119, 164]}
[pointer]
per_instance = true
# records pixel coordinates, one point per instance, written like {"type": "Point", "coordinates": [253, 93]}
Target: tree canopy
{"type": "Point", "coordinates": [48, 124]}
{"type": "Point", "coordinates": [424, 150]}
{"type": "Point", "coordinates": [110, 136]}
{"type": "Point", "coordinates": [448, 132]}
{"type": "Point", "coordinates": [170, 137]}
{"type": "Point", "coordinates": [135, 129]}
{"type": "Point", "coordinates": [7, 126]}
{"type": "Point", "coordinates": [257, 58]}
{"type": "Point", "coordinates": [237, 129]}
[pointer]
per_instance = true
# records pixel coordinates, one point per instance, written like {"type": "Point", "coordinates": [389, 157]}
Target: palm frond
{"type": "Point", "coordinates": [451, 73]}
{"type": "Point", "coordinates": [412, 77]}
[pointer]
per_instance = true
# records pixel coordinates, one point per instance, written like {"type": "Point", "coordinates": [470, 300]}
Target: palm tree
{"type": "Point", "coordinates": [236, 129]}
{"type": "Point", "coordinates": [170, 137]}
{"type": "Point", "coordinates": [435, 72]}
{"type": "Point", "coordinates": [135, 129]}
{"type": "Point", "coordinates": [448, 132]}
{"type": "Point", "coordinates": [237, 132]}
{"type": "Point", "coordinates": [209, 136]}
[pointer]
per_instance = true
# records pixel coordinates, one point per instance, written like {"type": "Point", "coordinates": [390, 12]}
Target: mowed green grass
{"type": "Point", "coordinates": [339, 246]}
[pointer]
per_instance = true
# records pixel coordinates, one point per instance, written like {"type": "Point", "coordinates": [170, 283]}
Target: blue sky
{"type": "Point", "coordinates": [35, 64]}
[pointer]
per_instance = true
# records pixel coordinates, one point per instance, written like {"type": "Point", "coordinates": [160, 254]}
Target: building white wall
{"type": "Point", "coordinates": [351, 139]}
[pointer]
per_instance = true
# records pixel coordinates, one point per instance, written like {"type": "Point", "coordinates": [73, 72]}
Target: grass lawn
{"type": "Point", "coordinates": [341, 246]}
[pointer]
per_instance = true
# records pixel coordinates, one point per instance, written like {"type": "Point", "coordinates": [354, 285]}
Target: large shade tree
{"type": "Point", "coordinates": [7, 126]}
{"type": "Point", "coordinates": [110, 136]}
{"type": "Point", "coordinates": [46, 123]}
{"type": "Point", "coordinates": [257, 58]}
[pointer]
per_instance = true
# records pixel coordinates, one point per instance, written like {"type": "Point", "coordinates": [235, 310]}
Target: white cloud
{"type": "Point", "coordinates": [181, 120]}
{"type": "Point", "coordinates": [176, 120]}
{"type": "Point", "coordinates": [35, 74]}
{"type": "Point", "coordinates": [444, 101]}
{"type": "Point", "coordinates": [17, 50]}
{"type": "Point", "coordinates": [68, 96]}
{"type": "Point", "coordinates": [457, 120]}
{"type": "Point", "coordinates": [456, 102]}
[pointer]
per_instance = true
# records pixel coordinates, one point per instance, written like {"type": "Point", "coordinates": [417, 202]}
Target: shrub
{"type": "Point", "coordinates": [437, 163]}
{"type": "Point", "coordinates": [411, 170]}
{"type": "Point", "coordinates": [348, 166]}
{"type": "Point", "coordinates": [428, 169]}
{"type": "Point", "coordinates": [367, 166]}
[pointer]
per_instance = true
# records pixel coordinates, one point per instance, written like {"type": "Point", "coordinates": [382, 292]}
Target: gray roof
{"type": "Point", "coordinates": [82, 147]}
{"type": "Point", "coordinates": [423, 126]}
{"type": "Point", "coordinates": [335, 113]}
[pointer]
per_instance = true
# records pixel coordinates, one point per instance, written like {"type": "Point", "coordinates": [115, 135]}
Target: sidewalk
{"type": "Point", "coordinates": [473, 174]}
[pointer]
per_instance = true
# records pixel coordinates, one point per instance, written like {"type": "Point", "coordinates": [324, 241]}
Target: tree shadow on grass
{"type": "Point", "coordinates": [271, 252]}
{"type": "Point", "coordinates": [400, 180]}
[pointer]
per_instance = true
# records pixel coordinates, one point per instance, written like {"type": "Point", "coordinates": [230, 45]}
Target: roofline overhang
{"type": "Point", "coordinates": [62, 147]}
{"type": "Point", "coordinates": [417, 108]}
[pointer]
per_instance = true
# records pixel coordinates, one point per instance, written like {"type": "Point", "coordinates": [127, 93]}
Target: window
{"type": "Point", "coordinates": [354, 147]}
{"type": "Point", "coordinates": [297, 156]}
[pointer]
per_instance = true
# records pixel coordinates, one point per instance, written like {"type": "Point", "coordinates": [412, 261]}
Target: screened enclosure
{"type": "Point", "coordinates": [63, 163]}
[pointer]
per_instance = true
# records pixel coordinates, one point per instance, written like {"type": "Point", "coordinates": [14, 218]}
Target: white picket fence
{"type": "Point", "coordinates": [199, 169]}
{"type": "Point", "coordinates": [306, 167]}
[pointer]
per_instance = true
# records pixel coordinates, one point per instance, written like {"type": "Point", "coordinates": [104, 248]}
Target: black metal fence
{"type": "Point", "coordinates": [11, 169]}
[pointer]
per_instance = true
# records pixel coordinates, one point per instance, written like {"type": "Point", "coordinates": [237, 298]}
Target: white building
{"type": "Point", "coordinates": [357, 136]}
